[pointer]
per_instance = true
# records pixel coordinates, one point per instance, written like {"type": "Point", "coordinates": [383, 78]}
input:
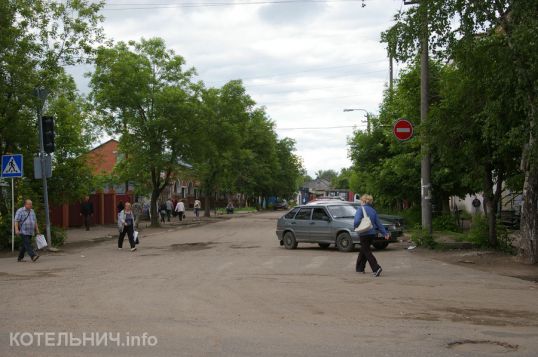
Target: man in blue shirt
{"type": "Point", "coordinates": [366, 238]}
{"type": "Point", "coordinates": [26, 226]}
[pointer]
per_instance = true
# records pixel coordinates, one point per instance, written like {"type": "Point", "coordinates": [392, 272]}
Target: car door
{"type": "Point", "coordinates": [320, 226]}
{"type": "Point", "coordinates": [301, 224]}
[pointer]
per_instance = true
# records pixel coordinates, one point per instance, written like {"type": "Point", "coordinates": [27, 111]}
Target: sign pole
{"type": "Point", "coordinates": [12, 214]}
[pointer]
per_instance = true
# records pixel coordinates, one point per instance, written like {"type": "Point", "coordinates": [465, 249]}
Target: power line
{"type": "Point", "coordinates": [320, 128]}
{"type": "Point", "coordinates": [285, 74]}
{"type": "Point", "coordinates": [307, 99]}
{"type": "Point", "coordinates": [149, 6]}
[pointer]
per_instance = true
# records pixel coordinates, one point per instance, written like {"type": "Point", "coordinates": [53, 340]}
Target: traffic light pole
{"type": "Point", "coordinates": [42, 95]}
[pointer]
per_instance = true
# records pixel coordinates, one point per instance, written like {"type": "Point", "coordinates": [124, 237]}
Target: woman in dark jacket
{"type": "Point", "coordinates": [366, 238]}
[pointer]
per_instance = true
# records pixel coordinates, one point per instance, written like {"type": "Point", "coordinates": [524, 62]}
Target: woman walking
{"type": "Point", "coordinates": [126, 219]}
{"type": "Point", "coordinates": [197, 206]}
{"type": "Point", "coordinates": [366, 238]}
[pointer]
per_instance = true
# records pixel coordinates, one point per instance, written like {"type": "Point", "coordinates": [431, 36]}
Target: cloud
{"type": "Point", "coordinates": [305, 62]}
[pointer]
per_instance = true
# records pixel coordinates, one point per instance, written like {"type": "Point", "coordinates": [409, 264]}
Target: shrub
{"type": "Point", "coordinates": [478, 233]}
{"type": "Point", "coordinates": [422, 238]}
{"type": "Point", "coordinates": [445, 222]}
{"type": "Point", "coordinates": [504, 240]}
{"type": "Point", "coordinates": [58, 236]}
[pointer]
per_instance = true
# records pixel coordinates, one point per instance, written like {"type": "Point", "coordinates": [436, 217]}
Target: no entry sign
{"type": "Point", "coordinates": [403, 129]}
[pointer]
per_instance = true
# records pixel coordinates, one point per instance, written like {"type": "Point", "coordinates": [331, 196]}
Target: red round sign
{"type": "Point", "coordinates": [403, 129]}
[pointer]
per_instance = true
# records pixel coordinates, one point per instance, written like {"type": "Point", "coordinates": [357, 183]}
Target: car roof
{"type": "Point", "coordinates": [312, 204]}
{"type": "Point", "coordinates": [327, 202]}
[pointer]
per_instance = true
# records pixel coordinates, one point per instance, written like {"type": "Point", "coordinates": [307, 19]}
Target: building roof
{"type": "Point", "coordinates": [318, 184]}
{"type": "Point", "coordinates": [103, 158]}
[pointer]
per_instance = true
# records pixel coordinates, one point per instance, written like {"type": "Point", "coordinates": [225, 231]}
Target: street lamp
{"type": "Point", "coordinates": [367, 116]}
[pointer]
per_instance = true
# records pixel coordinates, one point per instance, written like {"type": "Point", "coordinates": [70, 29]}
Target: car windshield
{"type": "Point", "coordinates": [343, 211]}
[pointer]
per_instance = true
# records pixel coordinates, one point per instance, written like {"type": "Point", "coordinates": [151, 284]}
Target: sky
{"type": "Point", "coordinates": [304, 61]}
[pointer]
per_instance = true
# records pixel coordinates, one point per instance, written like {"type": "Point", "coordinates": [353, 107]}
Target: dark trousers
{"type": "Point", "coordinates": [181, 214]}
{"type": "Point", "coordinates": [87, 221]}
{"type": "Point", "coordinates": [129, 230]}
{"type": "Point", "coordinates": [26, 246]}
{"type": "Point", "coordinates": [168, 214]}
{"type": "Point", "coordinates": [365, 254]}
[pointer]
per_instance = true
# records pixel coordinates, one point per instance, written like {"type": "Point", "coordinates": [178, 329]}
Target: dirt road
{"type": "Point", "coordinates": [228, 289]}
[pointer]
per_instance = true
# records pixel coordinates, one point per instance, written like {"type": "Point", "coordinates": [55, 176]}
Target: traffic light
{"type": "Point", "coordinates": [48, 134]}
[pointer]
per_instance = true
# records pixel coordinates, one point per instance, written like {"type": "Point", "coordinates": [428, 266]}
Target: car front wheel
{"type": "Point", "coordinates": [344, 243]}
{"type": "Point", "coordinates": [289, 241]}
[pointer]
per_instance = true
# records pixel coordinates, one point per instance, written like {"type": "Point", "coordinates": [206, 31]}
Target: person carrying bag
{"type": "Point", "coordinates": [367, 224]}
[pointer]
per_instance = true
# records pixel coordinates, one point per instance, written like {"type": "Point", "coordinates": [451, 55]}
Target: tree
{"type": "Point", "coordinates": [289, 173]}
{"type": "Point", "coordinates": [37, 39]}
{"type": "Point", "coordinates": [143, 94]}
{"type": "Point", "coordinates": [328, 175]}
{"type": "Point", "coordinates": [222, 113]}
{"type": "Point", "coordinates": [515, 25]}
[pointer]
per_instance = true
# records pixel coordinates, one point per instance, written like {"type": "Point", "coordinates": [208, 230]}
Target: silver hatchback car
{"type": "Point", "coordinates": [325, 224]}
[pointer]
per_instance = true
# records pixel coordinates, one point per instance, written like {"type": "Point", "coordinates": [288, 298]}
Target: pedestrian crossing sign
{"type": "Point", "coordinates": [12, 166]}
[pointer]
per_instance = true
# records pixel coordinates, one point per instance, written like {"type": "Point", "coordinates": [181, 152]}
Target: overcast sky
{"type": "Point", "coordinates": [305, 62]}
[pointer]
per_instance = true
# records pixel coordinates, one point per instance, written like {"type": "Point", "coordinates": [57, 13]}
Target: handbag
{"type": "Point", "coordinates": [40, 241]}
{"type": "Point", "coordinates": [366, 223]}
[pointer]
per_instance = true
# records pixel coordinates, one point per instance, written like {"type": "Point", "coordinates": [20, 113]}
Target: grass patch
{"type": "Point", "coordinates": [236, 210]}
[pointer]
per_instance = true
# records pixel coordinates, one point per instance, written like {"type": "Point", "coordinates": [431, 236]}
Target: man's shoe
{"type": "Point", "coordinates": [35, 257]}
{"type": "Point", "coordinates": [133, 249]}
{"type": "Point", "coordinates": [120, 248]}
{"type": "Point", "coordinates": [360, 271]}
{"type": "Point", "coordinates": [22, 260]}
{"type": "Point", "coordinates": [377, 272]}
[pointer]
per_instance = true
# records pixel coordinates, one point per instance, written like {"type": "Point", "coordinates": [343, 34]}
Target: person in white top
{"type": "Point", "coordinates": [197, 207]}
{"type": "Point", "coordinates": [180, 209]}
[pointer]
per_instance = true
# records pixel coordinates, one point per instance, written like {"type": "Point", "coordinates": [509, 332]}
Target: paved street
{"type": "Point", "coordinates": [227, 288]}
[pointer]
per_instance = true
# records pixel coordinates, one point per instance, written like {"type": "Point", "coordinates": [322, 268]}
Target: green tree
{"type": "Point", "coordinates": [513, 25]}
{"type": "Point", "coordinates": [289, 173]}
{"type": "Point", "coordinates": [37, 39]}
{"type": "Point", "coordinates": [328, 175]}
{"type": "Point", "coordinates": [144, 94]}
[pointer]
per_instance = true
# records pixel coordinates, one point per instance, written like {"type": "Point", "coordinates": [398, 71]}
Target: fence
{"type": "Point", "coordinates": [104, 210]}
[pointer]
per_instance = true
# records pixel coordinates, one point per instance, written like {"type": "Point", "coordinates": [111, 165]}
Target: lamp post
{"type": "Point", "coordinates": [367, 116]}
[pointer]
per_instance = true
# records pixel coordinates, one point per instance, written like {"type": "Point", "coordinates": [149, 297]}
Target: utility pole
{"type": "Point", "coordinates": [391, 73]}
{"type": "Point", "coordinates": [42, 96]}
{"type": "Point", "coordinates": [425, 164]}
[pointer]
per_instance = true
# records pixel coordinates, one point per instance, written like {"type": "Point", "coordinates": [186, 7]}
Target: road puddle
{"type": "Point", "coordinates": [189, 247]}
{"type": "Point", "coordinates": [482, 346]}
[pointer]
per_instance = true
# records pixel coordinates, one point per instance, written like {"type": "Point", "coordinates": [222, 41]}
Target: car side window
{"type": "Point", "coordinates": [291, 213]}
{"type": "Point", "coordinates": [319, 214]}
{"type": "Point", "coordinates": [304, 214]}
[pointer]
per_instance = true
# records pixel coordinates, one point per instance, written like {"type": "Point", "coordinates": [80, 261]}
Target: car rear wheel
{"type": "Point", "coordinates": [344, 243]}
{"type": "Point", "coordinates": [324, 245]}
{"type": "Point", "coordinates": [289, 241]}
{"type": "Point", "coordinates": [380, 245]}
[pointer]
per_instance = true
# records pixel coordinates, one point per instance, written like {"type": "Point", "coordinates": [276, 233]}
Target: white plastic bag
{"type": "Point", "coordinates": [135, 237]}
{"type": "Point", "coordinates": [40, 241]}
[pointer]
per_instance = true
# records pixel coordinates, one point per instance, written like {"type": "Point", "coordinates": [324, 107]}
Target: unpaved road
{"type": "Point", "coordinates": [228, 289]}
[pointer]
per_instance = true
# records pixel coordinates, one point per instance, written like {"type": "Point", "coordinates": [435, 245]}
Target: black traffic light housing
{"type": "Point", "coordinates": [48, 133]}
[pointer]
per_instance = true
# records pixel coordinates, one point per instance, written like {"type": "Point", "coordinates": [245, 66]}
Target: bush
{"type": "Point", "coordinates": [504, 240]}
{"type": "Point", "coordinates": [422, 238]}
{"type": "Point", "coordinates": [445, 222]}
{"type": "Point", "coordinates": [58, 236]}
{"type": "Point", "coordinates": [478, 233]}
{"type": "Point", "coordinates": [412, 216]}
